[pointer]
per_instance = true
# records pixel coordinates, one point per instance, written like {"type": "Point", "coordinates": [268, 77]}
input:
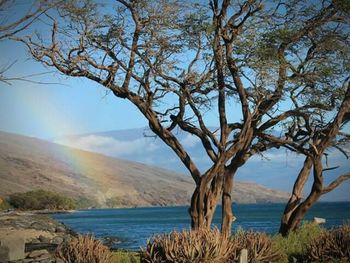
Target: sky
{"type": "Point", "coordinates": [67, 106]}
{"type": "Point", "coordinates": [63, 107]}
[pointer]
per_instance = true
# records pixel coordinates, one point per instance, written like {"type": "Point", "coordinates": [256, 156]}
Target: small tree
{"type": "Point", "coordinates": [318, 142]}
{"type": "Point", "coordinates": [175, 61]}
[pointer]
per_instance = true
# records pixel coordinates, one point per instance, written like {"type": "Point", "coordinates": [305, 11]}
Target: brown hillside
{"type": "Point", "coordinates": [28, 163]}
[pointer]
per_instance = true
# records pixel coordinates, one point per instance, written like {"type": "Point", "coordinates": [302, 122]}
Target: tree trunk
{"type": "Point", "coordinates": [227, 215]}
{"type": "Point", "coordinates": [193, 210]}
{"type": "Point", "coordinates": [204, 202]}
{"type": "Point", "coordinates": [296, 196]}
{"type": "Point", "coordinates": [300, 210]}
{"type": "Point", "coordinates": [213, 198]}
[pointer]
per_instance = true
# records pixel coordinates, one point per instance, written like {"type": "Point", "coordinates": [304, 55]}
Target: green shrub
{"type": "Point", "coordinates": [40, 199]}
{"type": "Point", "coordinates": [126, 257]}
{"type": "Point", "coordinates": [331, 246]}
{"type": "Point", "coordinates": [4, 205]}
{"type": "Point", "coordinates": [84, 249]}
{"type": "Point", "coordinates": [83, 202]}
{"type": "Point", "coordinates": [259, 246]}
{"type": "Point", "coordinates": [295, 244]}
{"type": "Point", "coordinates": [188, 247]}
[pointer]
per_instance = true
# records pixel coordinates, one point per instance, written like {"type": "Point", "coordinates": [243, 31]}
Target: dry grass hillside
{"type": "Point", "coordinates": [28, 163]}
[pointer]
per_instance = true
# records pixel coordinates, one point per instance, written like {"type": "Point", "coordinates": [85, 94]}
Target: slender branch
{"type": "Point", "coordinates": [336, 183]}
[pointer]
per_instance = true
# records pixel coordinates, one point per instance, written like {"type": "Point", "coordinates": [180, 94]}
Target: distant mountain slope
{"type": "Point", "coordinates": [28, 163]}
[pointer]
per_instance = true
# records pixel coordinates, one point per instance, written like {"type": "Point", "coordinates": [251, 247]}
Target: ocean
{"type": "Point", "coordinates": [129, 228]}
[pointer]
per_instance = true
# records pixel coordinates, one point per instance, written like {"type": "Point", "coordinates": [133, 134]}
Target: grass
{"type": "Point", "coordinates": [294, 245]}
{"type": "Point", "coordinates": [126, 257]}
{"type": "Point", "coordinates": [84, 249]}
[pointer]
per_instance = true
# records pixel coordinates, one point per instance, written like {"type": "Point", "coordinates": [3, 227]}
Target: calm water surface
{"type": "Point", "coordinates": [133, 226]}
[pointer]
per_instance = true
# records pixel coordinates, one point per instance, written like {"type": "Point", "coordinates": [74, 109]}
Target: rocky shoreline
{"type": "Point", "coordinates": [30, 237]}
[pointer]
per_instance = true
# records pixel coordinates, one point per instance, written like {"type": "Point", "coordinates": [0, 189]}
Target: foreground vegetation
{"type": "Point", "coordinates": [310, 243]}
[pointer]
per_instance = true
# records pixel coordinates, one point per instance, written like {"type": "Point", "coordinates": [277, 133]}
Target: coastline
{"type": "Point", "coordinates": [31, 236]}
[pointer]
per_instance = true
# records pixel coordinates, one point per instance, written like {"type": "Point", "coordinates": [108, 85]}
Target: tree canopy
{"type": "Point", "coordinates": [284, 63]}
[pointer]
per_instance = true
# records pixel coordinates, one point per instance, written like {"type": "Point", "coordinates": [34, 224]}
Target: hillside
{"type": "Point", "coordinates": [28, 163]}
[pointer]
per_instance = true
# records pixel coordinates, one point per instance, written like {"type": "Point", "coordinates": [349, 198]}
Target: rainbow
{"type": "Point", "coordinates": [48, 118]}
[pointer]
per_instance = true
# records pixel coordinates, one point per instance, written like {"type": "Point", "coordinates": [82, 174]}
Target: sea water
{"type": "Point", "coordinates": [129, 228]}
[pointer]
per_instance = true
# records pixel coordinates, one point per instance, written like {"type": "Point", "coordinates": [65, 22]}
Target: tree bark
{"type": "Point", "coordinates": [204, 202]}
{"type": "Point", "coordinates": [213, 197]}
{"type": "Point", "coordinates": [193, 210]}
{"type": "Point", "coordinates": [296, 196]}
{"type": "Point", "coordinates": [227, 214]}
{"type": "Point", "coordinates": [316, 191]}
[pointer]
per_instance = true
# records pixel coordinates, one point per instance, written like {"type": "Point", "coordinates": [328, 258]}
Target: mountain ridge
{"type": "Point", "coordinates": [28, 163]}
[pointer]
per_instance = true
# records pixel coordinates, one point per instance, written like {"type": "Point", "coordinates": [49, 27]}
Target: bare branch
{"type": "Point", "coordinates": [336, 183]}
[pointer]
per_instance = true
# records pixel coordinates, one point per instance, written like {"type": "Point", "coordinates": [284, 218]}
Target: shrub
{"type": "Point", "coordinates": [331, 246]}
{"type": "Point", "coordinates": [188, 246]}
{"type": "Point", "coordinates": [294, 245]}
{"type": "Point", "coordinates": [83, 202]}
{"type": "Point", "coordinates": [259, 245]}
{"type": "Point", "coordinates": [40, 199]}
{"type": "Point", "coordinates": [4, 205]}
{"type": "Point", "coordinates": [126, 257]}
{"type": "Point", "coordinates": [83, 249]}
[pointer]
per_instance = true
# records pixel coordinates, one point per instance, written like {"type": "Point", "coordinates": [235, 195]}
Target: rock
{"type": "Point", "coordinates": [60, 229]}
{"type": "Point", "coordinates": [57, 240]}
{"type": "Point", "coordinates": [37, 253]}
{"type": "Point", "coordinates": [45, 226]}
{"type": "Point", "coordinates": [4, 253]}
{"type": "Point", "coordinates": [27, 260]}
{"type": "Point", "coordinates": [319, 220]}
{"type": "Point", "coordinates": [67, 239]}
{"type": "Point", "coordinates": [11, 248]}
{"type": "Point", "coordinates": [35, 241]}
{"type": "Point", "coordinates": [44, 239]}
{"type": "Point", "coordinates": [45, 257]}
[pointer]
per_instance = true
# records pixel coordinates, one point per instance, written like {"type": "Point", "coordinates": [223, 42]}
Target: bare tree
{"type": "Point", "coordinates": [175, 61]}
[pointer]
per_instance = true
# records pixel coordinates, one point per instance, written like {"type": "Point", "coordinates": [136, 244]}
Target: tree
{"type": "Point", "coordinates": [272, 60]}
{"type": "Point", "coordinates": [319, 141]}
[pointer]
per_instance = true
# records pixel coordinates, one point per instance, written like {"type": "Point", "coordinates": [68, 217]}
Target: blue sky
{"type": "Point", "coordinates": [50, 110]}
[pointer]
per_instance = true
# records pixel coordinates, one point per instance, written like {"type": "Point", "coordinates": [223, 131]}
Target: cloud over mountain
{"type": "Point", "coordinates": [276, 169]}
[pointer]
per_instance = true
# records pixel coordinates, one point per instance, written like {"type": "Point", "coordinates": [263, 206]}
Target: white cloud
{"type": "Point", "coordinates": [110, 146]}
{"type": "Point", "coordinates": [190, 141]}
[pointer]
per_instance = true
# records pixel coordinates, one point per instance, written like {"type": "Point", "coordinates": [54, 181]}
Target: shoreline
{"type": "Point", "coordinates": [33, 236]}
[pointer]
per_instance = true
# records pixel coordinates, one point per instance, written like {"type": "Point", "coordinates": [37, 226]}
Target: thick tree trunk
{"type": "Point", "coordinates": [213, 198]}
{"type": "Point", "coordinates": [296, 196]}
{"type": "Point", "coordinates": [301, 209]}
{"type": "Point", "coordinates": [227, 215]}
{"type": "Point", "coordinates": [193, 210]}
{"type": "Point", "coordinates": [204, 202]}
